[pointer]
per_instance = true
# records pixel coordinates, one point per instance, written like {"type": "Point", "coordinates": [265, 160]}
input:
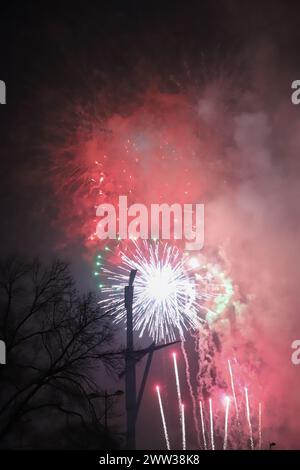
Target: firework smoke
{"type": "Point", "coordinates": [222, 145]}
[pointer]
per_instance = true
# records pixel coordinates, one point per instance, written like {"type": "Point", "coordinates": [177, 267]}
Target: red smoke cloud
{"type": "Point", "coordinates": [233, 151]}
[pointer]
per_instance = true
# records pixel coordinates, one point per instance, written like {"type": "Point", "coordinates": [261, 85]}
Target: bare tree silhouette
{"type": "Point", "coordinates": [56, 342]}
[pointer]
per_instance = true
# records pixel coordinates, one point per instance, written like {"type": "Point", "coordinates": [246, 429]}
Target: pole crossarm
{"type": "Point", "coordinates": [150, 351]}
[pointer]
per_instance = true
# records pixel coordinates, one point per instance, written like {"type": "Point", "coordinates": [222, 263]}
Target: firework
{"type": "Point", "coordinates": [259, 426]}
{"type": "Point", "coordinates": [249, 418]}
{"type": "Point", "coordinates": [172, 294]}
{"type": "Point", "coordinates": [163, 419]}
{"type": "Point", "coordinates": [212, 441]}
{"type": "Point", "coordinates": [233, 391]}
{"type": "Point", "coordinates": [203, 426]}
{"type": "Point", "coordinates": [227, 404]}
{"type": "Point", "coordinates": [165, 299]}
{"type": "Point", "coordinates": [183, 427]}
{"type": "Point", "coordinates": [211, 427]}
{"type": "Point", "coordinates": [192, 395]}
{"type": "Point", "coordinates": [221, 292]}
{"type": "Point", "coordinates": [178, 393]}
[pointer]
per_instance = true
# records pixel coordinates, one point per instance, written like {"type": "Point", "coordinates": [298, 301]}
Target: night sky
{"type": "Point", "coordinates": [56, 54]}
{"type": "Point", "coordinates": [213, 78]}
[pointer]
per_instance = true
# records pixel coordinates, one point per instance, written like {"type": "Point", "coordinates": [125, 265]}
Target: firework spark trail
{"type": "Point", "coordinates": [193, 399]}
{"type": "Point", "coordinates": [183, 427]}
{"type": "Point", "coordinates": [212, 441]}
{"type": "Point", "coordinates": [227, 404]}
{"type": "Point", "coordinates": [163, 418]}
{"type": "Point", "coordinates": [259, 426]}
{"type": "Point", "coordinates": [203, 426]}
{"type": "Point", "coordinates": [178, 394]}
{"type": "Point", "coordinates": [249, 418]}
{"type": "Point", "coordinates": [233, 393]}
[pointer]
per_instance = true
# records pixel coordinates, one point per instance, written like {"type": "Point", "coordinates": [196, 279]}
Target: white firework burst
{"type": "Point", "coordinates": [165, 301]}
